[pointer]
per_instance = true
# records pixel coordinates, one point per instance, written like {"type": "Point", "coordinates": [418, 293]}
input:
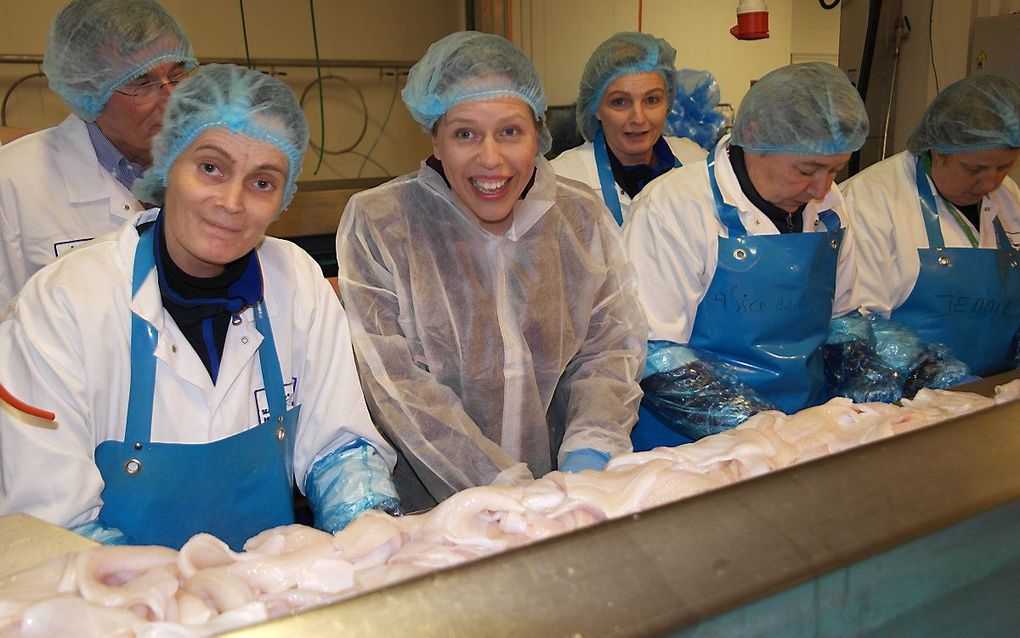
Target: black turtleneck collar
{"type": "Point", "coordinates": [786, 222]}
{"type": "Point", "coordinates": [202, 306]}
{"type": "Point", "coordinates": [632, 179]}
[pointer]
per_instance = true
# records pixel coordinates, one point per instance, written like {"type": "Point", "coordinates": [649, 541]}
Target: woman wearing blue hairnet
{"type": "Point", "coordinates": [742, 260]}
{"type": "Point", "coordinates": [494, 317]}
{"type": "Point", "coordinates": [627, 89]}
{"type": "Point", "coordinates": [197, 368]}
{"type": "Point", "coordinates": [113, 63]}
{"type": "Point", "coordinates": [941, 225]}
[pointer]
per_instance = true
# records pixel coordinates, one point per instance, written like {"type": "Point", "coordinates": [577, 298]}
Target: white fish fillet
{"type": "Point", "coordinates": [205, 588]}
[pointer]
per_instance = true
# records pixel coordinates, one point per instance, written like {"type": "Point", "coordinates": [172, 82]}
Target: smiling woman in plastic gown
{"type": "Point", "coordinates": [494, 315]}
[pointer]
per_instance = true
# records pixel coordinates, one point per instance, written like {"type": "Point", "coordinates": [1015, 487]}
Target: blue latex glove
{"type": "Point", "coordinates": [584, 459]}
{"type": "Point", "coordinates": [693, 394]}
{"type": "Point", "coordinates": [936, 367]}
{"type": "Point", "coordinates": [101, 533]}
{"type": "Point", "coordinates": [970, 378]}
{"type": "Point", "coordinates": [917, 365]}
{"type": "Point", "coordinates": [347, 482]}
{"type": "Point", "coordinates": [853, 368]}
{"type": "Point", "coordinates": [897, 345]}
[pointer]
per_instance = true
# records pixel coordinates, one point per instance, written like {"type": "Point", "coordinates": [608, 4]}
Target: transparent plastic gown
{"type": "Point", "coordinates": [480, 352]}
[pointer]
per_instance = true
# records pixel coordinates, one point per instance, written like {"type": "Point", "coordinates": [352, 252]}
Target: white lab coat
{"type": "Point", "coordinates": [578, 164]}
{"type": "Point", "coordinates": [672, 238]}
{"type": "Point", "coordinates": [66, 348]}
{"type": "Point", "coordinates": [890, 228]}
{"type": "Point", "coordinates": [54, 195]}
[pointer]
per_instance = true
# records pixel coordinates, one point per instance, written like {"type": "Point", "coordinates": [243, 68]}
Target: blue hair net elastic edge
{"type": "Point", "coordinates": [254, 132]}
{"type": "Point", "coordinates": [480, 95]}
{"type": "Point", "coordinates": [90, 107]}
{"type": "Point", "coordinates": [647, 65]}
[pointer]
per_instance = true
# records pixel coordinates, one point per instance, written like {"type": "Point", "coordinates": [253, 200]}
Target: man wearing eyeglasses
{"type": "Point", "coordinates": [114, 63]}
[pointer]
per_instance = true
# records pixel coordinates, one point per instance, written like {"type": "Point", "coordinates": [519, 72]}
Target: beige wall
{"type": "Point", "coordinates": [382, 30]}
{"type": "Point", "coordinates": [561, 34]}
{"type": "Point", "coordinates": [558, 34]}
{"type": "Point", "coordinates": [951, 30]}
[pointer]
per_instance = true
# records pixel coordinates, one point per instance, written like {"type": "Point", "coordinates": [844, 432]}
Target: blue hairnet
{"type": "Point", "coordinates": [804, 109]}
{"type": "Point", "coordinates": [240, 100]}
{"type": "Point", "coordinates": [975, 114]}
{"type": "Point", "coordinates": [468, 65]}
{"type": "Point", "coordinates": [623, 53]}
{"type": "Point", "coordinates": [96, 46]}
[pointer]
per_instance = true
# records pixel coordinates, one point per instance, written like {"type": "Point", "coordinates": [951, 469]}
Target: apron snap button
{"type": "Point", "coordinates": [134, 466]}
{"type": "Point", "coordinates": [281, 434]}
{"type": "Point", "coordinates": [944, 260]}
{"type": "Point", "coordinates": [835, 244]}
{"type": "Point", "coordinates": [740, 254]}
{"type": "Point", "coordinates": [138, 446]}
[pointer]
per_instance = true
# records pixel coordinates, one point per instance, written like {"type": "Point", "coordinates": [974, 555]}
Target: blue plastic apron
{"type": "Point", "coordinates": [766, 314]}
{"type": "Point", "coordinates": [606, 180]}
{"type": "Point", "coordinates": [164, 493]}
{"type": "Point", "coordinates": [966, 298]}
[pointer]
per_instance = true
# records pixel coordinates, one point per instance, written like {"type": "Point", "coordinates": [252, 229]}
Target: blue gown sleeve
{"type": "Point", "coordinates": [853, 367]}
{"type": "Point", "coordinates": [920, 365]}
{"type": "Point", "coordinates": [347, 482]}
{"type": "Point", "coordinates": [692, 393]}
{"type": "Point", "coordinates": [101, 533]}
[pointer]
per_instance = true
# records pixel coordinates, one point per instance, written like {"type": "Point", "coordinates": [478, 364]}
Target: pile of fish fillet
{"type": "Point", "coordinates": [205, 588]}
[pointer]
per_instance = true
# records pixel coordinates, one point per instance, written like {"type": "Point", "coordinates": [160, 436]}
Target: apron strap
{"type": "Point", "coordinates": [270, 363]}
{"type": "Point", "coordinates": [830, 219]}
{"type": "Point", "coordinates": [1001, 238]}
{"type": "Point", "coordinates": [144, 339]}
{"type": "Point", "coordinates": [607, 183]}
{"type": "Point", "coordinates": [728, 213]}
{"type": "Point", "coordinates": [929, 209]}
{"type": "Point", "coordinates": [606, 180]}
{"type": "Point", "coordinates": [138, 428]}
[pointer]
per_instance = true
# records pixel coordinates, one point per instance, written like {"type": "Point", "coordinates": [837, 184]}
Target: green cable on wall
{"type": "Point", "coordinates": [318, 72]}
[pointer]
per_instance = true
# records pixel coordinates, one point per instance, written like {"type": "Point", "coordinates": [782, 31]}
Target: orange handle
{"type": "Point", "coordinates": [24, 407]}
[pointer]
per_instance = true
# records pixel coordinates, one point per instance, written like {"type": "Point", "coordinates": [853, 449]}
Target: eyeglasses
{"type": "Point", "coordinates": [148, 89]}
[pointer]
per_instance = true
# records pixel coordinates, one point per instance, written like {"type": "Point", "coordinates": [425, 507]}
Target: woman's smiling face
{"type": "Point", "coordinates": [488, 149]}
